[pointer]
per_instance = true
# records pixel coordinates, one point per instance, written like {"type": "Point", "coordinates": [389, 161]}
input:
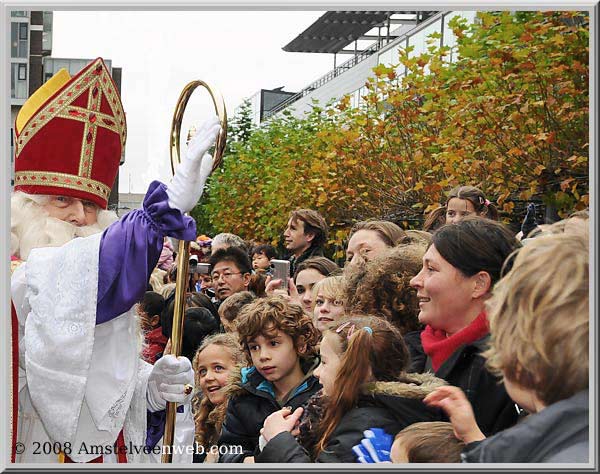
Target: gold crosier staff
{"type": "Point", "coordinates": [183, 253]}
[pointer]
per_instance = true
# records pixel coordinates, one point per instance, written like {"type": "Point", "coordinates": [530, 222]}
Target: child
{"type": "Point", "coordinates": [280, 340]}
{"type": "Point", "coordinates": [231, 307]}
{"type": "Point", "coordinates": [198, 324]}
{"type": "Point", "coordinates": [539, 321]}
{"type": "Point", "coordinates": [462, 201]}
{"type": "Point", "coordinates": [364, 386]}
{"type": "Point", "coordinates": [149, 310]}
{"type": "Point", "coordinates": [261, 258]}
{"type": "Point", "coordinates": [213, 363]}
{"type": "Point", "coordinates": [427, 442]}
{"type": "Point", "coordinates": [328, 300]}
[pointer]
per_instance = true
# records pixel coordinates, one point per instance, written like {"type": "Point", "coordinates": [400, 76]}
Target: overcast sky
{"type": "Point", "coordinates": [239, 52]}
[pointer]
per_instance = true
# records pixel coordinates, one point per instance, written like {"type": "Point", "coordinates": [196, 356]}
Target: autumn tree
{"type": "Point", "coordinates": [510, 116]}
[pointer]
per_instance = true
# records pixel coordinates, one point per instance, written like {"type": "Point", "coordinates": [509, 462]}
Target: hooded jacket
{"type": "Point", "coordinates": [251, 400]}
{"type": "Point", "coordinates": [391, 406]}
{"type": "Point", "coordinates": [558, 433]}
{"type": "Point", "coordinates": [465, 368]}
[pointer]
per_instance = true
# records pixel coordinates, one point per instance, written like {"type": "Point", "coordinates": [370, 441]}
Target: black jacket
{"type": "Point", "coordinates": [250, 402]}
{"type": "Point", "coordinates": [391, 406]}
{"type": "Point", "coordinates": [308, 253]}
{"type": "Point", "coordinates": [558, 433]}
{"type": "Point", "coordinates": [465, 368]}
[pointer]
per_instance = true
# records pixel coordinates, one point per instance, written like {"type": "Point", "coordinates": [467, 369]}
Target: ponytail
{"type": "Point", "coordinates": [372, 350]}
{"type": "Point", "coordinates": [491, 211]}
{"type": "Point", "coordinates": [352, 374]}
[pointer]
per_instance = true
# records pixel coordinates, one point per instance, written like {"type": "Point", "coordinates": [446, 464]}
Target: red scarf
{"type": "Point", "coordinates": [440, 347]}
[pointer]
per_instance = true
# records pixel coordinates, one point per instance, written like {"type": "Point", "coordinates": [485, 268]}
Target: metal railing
{"type": "Point", "coordinates": [359, 57]}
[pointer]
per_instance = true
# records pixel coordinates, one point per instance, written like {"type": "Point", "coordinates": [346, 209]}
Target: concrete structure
{"type": "Point", "coordinates": [264, 102]}
{"type": "Point", "coordinates": [351, 76]}
{"type": "Point", "coordinates": [129, 202]}
{"type": "Point", "coordinates": [30, 42]}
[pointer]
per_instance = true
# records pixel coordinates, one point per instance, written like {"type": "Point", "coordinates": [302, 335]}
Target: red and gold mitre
{"type": "Point", "coordinates": [71, 143]}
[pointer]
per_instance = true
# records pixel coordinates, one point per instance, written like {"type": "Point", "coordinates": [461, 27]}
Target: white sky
{"type": "Point", "coordinates": [238, 52]}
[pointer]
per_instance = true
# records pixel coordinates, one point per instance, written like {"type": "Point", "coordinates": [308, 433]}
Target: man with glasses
{"type": "Point", "coordinates": [231, 271]}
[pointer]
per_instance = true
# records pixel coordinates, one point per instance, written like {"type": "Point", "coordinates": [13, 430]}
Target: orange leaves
{"type": "Point", "coordinates": [510, 116]}
{"type": "Point", "coordinates": [515, 152]}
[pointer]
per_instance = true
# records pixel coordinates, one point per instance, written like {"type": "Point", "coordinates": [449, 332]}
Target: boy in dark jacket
{"type": "Point", "coordinates": [281, 340]}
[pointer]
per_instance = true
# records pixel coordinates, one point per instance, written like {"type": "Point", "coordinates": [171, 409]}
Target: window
{"type": "Point", "coordinates": [19, 43]}
{"type": "Point", "coordinates": [18, 86]}
{"type": "Point", "coordinates": [421, 40]}
{"type": "Point", "coordinates": [23, 30]}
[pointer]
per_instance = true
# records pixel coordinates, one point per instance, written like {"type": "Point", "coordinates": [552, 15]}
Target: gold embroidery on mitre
{"type": "Point", "coordinates": [62, 180]}
{"type": "Point", "coordinates": [60, 105]}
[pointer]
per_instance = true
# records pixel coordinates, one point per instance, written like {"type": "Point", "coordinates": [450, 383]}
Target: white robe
{"type": "Point", "coordinates": [79, 383]}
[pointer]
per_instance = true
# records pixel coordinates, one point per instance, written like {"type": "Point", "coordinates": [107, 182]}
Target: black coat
{"type": "Point", "coordinates": [558, 433]}
{"type": "Point", "coordinates": [465, 368]}
{"type": "Point", "coordinates": [249, 404]}
{"type": "Point", "coordinates": [308, 253]}
{"type": "Point", "coordinates": [391, 406]}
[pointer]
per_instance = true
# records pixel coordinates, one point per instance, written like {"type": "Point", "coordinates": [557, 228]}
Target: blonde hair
{"type": "Point", "coordinates": [208, 418]}
{"type": "Point", "coordinates": [333, 287]}
{"type": "Point", "coordinates": [539, 318]}
{"type": "Point", "coordinates": [432, 441]}
{"type": "Point", "coordinates": [156, 279]}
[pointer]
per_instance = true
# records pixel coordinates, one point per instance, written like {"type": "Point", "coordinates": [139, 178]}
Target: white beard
{"type": "Point", "coordinates": [31, 226]}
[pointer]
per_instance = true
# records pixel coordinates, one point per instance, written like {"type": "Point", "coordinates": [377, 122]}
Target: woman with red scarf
{"type": "Point", "coordinates": [459, 271]}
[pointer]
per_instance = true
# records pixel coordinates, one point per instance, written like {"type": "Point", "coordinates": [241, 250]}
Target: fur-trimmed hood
{"type": "Point", "coordinates": [234, 381]}
{"type": "Point", "coordinates": [408, 385]}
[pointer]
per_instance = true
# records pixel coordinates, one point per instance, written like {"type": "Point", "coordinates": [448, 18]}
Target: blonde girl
{"type": "Point", "coordinates": [213, 363]}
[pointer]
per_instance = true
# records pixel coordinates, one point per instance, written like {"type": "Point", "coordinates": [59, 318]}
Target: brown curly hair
{"type": "Point", "coordinates": [274, 313]}
{"type": "Point", "coordinates": [208, 418]}
{"type": "Point", "coordinates": [381, 287]}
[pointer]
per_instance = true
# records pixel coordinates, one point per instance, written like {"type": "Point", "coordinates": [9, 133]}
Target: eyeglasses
{"type": "Point", "coordinates": [225, 275]}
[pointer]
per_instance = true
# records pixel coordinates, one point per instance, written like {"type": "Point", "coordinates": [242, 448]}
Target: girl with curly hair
{"type": "Point", "coordinates": [382, 287]}
{"type": "Point", "coordinates": [213, 363]}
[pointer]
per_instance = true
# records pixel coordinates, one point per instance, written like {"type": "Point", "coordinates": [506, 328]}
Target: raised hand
{"type": "Point", "coordinates": [458, 408]}
{"type": "Point", "coordinates": [187, 185]}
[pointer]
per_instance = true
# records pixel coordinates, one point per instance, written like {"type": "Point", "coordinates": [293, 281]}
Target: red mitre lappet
{"type": "Point", "coordinates": [71, 145]}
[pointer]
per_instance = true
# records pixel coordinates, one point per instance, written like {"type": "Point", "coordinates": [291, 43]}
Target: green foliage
{"type": "Point", "coordinates": [510, 116]}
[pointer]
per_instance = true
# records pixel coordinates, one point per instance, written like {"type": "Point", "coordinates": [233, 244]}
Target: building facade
{"type": "Point", "coordinates": [30, 42]}
{"type": "Point", "coordinates": [351, 76]}
{"type": "Point", "coordinates": [31, 66]}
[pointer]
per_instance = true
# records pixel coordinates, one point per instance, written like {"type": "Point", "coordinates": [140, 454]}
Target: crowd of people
{"type": "Point", "coordinates": [458, 342]}
{"type": "Point", "coordinates": [440, 338]}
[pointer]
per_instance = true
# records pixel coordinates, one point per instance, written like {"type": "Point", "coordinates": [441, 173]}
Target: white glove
{"type": "Point", "coordinates": [187, 185]}
{"type": "Point", "coordinates": [167, 382]}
